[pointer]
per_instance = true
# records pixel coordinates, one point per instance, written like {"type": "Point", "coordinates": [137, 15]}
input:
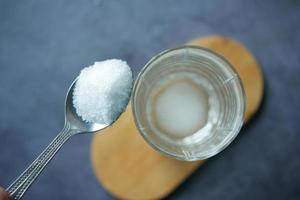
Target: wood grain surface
{"type": "Point", "coordinates": [130, 169]}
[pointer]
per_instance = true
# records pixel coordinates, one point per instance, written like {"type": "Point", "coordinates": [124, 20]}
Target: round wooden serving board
{"type": "Point", "coordinates": [130, 169]}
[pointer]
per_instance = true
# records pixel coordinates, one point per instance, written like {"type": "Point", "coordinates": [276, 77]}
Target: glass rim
{"type": "Point", "coordinates": [170, 154]}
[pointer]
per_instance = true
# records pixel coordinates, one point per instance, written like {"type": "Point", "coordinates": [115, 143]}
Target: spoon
{"type": "Point", "coordinates": [73, 125]}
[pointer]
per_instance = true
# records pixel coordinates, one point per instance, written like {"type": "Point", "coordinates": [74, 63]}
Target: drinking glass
{"type": "Point", "coordinates": [225, 101]}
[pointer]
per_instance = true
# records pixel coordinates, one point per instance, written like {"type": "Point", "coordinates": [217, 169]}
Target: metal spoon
{"type": "Point", "coordinates": [73, 125]}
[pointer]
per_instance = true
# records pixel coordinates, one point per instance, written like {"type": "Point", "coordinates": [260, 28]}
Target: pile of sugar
{"type": "Point", "coordinates": [102, 91]}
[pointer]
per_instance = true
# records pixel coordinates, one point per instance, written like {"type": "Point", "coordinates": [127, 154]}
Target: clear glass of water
{"type": "Point", "coordinates": [224, 100]}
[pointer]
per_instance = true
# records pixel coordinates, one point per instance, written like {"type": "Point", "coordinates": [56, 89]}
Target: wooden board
{"type": "Point", "coordinates": [130, 169]}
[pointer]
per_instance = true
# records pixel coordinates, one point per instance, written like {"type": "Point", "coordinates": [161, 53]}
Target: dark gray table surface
{"type": "Point", "coordinates": [44, 44]}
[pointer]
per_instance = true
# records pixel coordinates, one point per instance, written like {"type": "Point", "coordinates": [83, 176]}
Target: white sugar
{"type": "Point", "coordinates": [102, 91]}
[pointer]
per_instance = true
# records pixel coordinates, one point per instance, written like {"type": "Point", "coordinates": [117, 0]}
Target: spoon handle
{"type": "Point", "coordinates": [24, 181]}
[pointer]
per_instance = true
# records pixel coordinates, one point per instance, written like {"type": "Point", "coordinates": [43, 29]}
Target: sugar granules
{"type": "Point", "coordinates": [102, 91]}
